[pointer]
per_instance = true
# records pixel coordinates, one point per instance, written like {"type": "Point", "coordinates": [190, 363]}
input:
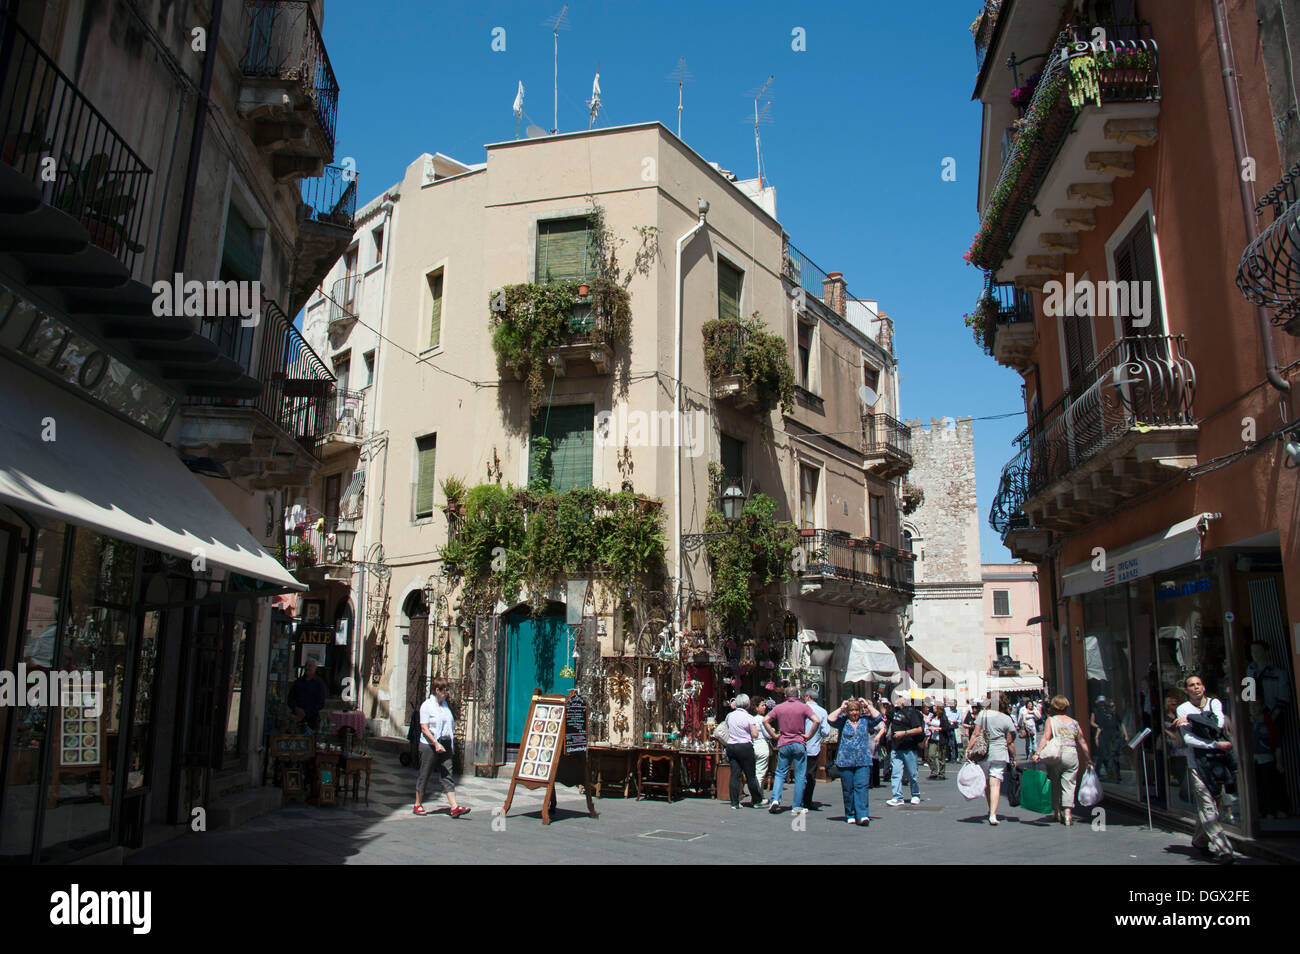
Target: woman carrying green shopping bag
{"type": "Point", "coordinates": [1063, 752]}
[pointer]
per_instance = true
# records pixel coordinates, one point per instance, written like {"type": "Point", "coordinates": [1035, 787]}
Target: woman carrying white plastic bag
{"type": "Point", "coordinates": [970, 781]}
{"type": "Point", "coordinates": [1089, 789]}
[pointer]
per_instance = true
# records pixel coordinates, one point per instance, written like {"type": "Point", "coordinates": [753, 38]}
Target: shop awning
{"type": "Point", "coordinates": [1014, 683]}
{"type": "Point", "coordinates": [862, 659]}
{"type": "Point", "coordinates": [101, 473]}
{"type": "Point", "coordinates": [1180, 544]}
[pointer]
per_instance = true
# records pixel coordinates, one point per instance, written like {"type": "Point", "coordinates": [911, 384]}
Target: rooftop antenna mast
{"type": "Point", "coordinates": [557, 23]}
{"type": "Point", "coordinates": [760, 117]}
{"type": "Point", "coordinates": [681, 75]}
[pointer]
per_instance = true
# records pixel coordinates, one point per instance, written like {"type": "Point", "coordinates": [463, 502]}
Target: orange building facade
{"type": "Point", "coordinates": [1152, 484]}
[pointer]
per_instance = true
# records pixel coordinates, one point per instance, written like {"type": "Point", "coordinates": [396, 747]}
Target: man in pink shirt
{"type": "Point", "coordinates": [788, 720]}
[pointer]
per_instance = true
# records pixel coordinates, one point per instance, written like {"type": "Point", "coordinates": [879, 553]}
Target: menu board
{"type": "Point", "coordinates": [81, 743]}
{"type": "Point", "coordinates": [543, 737]}
{"type": "Point", "coordinates": [575, 725]}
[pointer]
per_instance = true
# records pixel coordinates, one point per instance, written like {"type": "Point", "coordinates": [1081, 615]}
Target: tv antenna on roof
{"type": "Point", "coordinates": [761, 117]}
{"type": "Point", "coordinates": [593, 104]}
{"type": "Point", "coordinates": [557, 23]}
{"type": "Point", "coordinates": [681, 75]}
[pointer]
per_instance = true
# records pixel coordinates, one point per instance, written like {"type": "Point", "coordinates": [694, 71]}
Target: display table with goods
{"type": "Point", "coordinates": [670, 767]}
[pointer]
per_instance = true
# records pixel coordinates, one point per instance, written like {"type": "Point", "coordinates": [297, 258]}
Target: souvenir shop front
{"type": "Point", "coordinates": [1222, 617]}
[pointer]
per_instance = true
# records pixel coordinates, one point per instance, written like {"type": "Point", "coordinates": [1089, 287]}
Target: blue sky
{"type": "Point", "coordinates": [862, 121]}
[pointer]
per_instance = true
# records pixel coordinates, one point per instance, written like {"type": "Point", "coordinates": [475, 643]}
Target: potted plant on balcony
{"type": "Point", "coordinates": [304, 554]}
{"type": "Point", "coordinates": [97, 197]}
{"type": "Point", "coordinates": [453, 488]}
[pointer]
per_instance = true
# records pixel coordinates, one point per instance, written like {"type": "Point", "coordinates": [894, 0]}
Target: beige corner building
{"type": "Point", "coordinates": [406, 312]}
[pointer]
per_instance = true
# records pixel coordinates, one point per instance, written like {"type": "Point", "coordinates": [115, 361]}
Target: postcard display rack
{"type": "Point", "coordinates": [548, 740]}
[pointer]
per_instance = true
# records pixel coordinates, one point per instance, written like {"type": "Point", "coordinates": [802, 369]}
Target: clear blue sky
{"type": "Point", "coordinates": [862, 121]}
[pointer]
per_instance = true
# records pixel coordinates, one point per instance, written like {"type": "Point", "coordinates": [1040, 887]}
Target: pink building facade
{"type": "Point", "coordinates": [1013, 650]}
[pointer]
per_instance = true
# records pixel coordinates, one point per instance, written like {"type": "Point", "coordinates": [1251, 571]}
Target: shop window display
{"type": "Point", "coordinates": [1109, 660]}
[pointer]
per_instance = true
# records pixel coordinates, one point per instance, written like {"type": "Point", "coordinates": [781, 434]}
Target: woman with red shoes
{"type": "Point", "coordinates": [437, 728]}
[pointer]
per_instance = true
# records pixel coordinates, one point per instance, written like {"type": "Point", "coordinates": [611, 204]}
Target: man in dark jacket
{"type": "Point", "coordinates": [906, 734]}
{"type": "Point", "coordinates": [307, 696]}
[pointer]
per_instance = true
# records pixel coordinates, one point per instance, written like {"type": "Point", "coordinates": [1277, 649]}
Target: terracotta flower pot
{"type": "Point", "coordinates": [584, 290]}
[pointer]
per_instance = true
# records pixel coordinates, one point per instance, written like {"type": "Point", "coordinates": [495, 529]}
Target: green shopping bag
{"type": "Point", "coordinates": [1036, 792]}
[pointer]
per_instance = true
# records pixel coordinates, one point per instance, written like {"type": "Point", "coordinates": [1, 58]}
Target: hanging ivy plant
{"type": "Point", "coordinates": [747, 348]}
{"type": "Point", "coordinates": [523, 543]}
{"type": "Point", "coordinates": [755, 552]}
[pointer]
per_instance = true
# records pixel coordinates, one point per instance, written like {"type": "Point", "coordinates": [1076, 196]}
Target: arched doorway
{"type": "Point", "coordinates": [416, 611]}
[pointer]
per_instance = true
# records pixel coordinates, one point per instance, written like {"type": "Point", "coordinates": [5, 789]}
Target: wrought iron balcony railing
{"type": "Point", "coordinates": [1269, 273]}
{"type": "Point", "coordinates": [855, 561]}
{"type": "Point", "coordinates": [297, 389]}
{"type": "Point", "coordinates": [1137, 382]}
{"type": "Point", "coordinates": [1001, 304]}
{"type": "Point", "coordinates": [331, 197]}
{"type": "Point", "coordinates": [887, 436]}
{"type": "Point", "coordinates": [348, 415]}
{"type": "Point", "coordinates": [99, 180]}
{"type": "Point", "coordinates": [284, 42]}
{"type": "Point", "coordinates": [1121, 69]}
{"type": "Point", "coordinates": [343, 298]}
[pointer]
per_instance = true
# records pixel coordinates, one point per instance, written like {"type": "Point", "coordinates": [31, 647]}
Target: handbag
{"type": "Point", "coordinates": [1012, 785]}
{"type": "Point", "coordinates": [1052, 750]}
{"type": "Point", "coordinates": [978, 750]}
{"type": "Point", "coordinates": [721, 733]}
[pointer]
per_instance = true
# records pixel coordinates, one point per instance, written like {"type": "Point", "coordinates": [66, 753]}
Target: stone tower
{"type": "Point", "coordinates": [948, 617]}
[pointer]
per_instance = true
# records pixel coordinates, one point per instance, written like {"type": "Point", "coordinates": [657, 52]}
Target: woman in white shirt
{"type": "Point", "coordinates": [437, 732]}
{"type": "Point", "coordinates": [1208, 762]}
{"type": "Point", "coordinates": [762, 748]}
{"type": "Point", "coordinates": [741, 733]}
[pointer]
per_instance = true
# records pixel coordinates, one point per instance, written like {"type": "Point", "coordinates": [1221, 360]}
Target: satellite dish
{"type": "Point", "coordinates": [869, 397]}
{"type": "Point", "coordinates": [534, 132]}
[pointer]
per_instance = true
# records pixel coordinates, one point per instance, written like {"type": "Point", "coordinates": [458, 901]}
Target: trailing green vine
{"type": "Point", "coordinates": [752, 553]}
{"type": "Point", "coordinates": [745, 347]}
{"type": "Point", "coordinates": [520, 544]}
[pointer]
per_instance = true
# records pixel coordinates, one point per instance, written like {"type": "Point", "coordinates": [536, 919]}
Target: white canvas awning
{"type": "Point", "coordinates": [1180, 544]}
{"type": "Point", "coordinates": [862, 659]}
{"type": "Point", "coordinates": [102, 473]}
{"type": "Point", "coordinates": [1014, 683]}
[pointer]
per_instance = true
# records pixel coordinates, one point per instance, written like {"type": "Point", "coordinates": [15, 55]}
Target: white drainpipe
{"type": "Point", "coordinates": [677, 411]}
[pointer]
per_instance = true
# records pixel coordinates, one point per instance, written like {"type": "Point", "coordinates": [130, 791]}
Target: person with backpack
{"type": "Point", "coordinates": [906, 734]}
{"type": "Point", "coordinates": [1210, 765]}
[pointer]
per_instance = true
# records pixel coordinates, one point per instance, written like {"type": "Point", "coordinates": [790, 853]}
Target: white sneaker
{"type": "Point", "coordinates": [801, 811]}
{"type": "Point", "coordinates": [895, 802]}
{"type": "Point", "coordinates": [916, 799]}
{"type": "Point", "coordinates": [851, 821]}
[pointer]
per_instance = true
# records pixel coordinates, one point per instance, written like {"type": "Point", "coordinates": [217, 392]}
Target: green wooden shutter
{"type": "Point", "coordinates": [426, 453]}
{"type": "Point", "coordinates": [571, 430]}
{"type": "Point", "coordinates": [435, 317]}
{"type": "Point", "coordinates": [729, 280]}
{"type": "Point", "coordinates": [564, 251]}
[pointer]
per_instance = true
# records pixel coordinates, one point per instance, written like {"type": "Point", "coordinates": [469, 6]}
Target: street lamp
{"type": "Point", "coordinates": [343, 541]}
{"type": "Point", "coordinates": [733, 502]}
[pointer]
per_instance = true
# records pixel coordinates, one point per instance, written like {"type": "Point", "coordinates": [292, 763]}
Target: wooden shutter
{"type": "Point", "coordinates": [435, 314]}
{"type": "Point", "coordinates": [1144, 270]}
{"type": "Point", "coordinates": [571, 430]}
{"type": "Point", "coordinates": [239, 251]}
{"type": "Point", "coordinates": [426, 453]}
{"type": "Point", "coordinates": [1078, 348]}
{"type": "Point", "coordinates": [564, 251]}
{"type": "Point", "coordinates": [729, 284]}
{"type": "Point", "coordinates": [808, 498]}
{"type": "Point", "coordinates": [1002, 603]}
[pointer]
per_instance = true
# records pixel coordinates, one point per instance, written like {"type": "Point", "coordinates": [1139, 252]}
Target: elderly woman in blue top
{"type": "Point", "coordinates": [853, 758]}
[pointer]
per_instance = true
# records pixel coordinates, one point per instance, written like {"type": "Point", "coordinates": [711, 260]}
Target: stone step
{"type": "Point", "coordinates": [233, 811]}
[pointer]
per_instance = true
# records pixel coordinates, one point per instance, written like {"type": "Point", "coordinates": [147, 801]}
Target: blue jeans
{"type": "Point", "coordinates": [857, 795]}
{"type": "Point", "coordinates": [790, 754]}
{"type": "Point", "coordinates": [898, 760]}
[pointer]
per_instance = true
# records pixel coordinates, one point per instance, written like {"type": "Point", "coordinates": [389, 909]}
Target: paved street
{"type": "Point", "coordinates": [944, 829]}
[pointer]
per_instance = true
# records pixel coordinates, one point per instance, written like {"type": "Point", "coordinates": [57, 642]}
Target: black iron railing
{"type": "Point", "coordinates": [297, 389]}
{"type": "Point", "coordinates": [1136, 382]}
{"type": "Point", "coordinates": [331, 197]}
{"type": "Point", "coordinates": [348, 416]}
{"type": "Point", "coordinates": [284, 42]}
{"type": "Point", "coordinates": [839, 556]}
{"type": "Point", "coordinates": [802, 271]}
{"type": "Point", "coordinates": [1002, 304]}
{"type": "Point", "coordinates": [586, 326]}
{"type": "Point", "coordinates": [1269, 273]}
{"type": "Point", "coordinates": [343, 298]}
{"type": "Point", "coordinates": [1126, 70]}
{"type": "Point", "coordinates": [98, 179]}
{"type": "Point", "coordinates": [882, 434]}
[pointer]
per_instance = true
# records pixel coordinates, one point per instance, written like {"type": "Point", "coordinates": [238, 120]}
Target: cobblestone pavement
{"type": "Point", "coordinates": [943, 829]}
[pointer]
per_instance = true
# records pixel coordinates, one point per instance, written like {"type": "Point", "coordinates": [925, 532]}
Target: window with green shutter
{"type": "Point", "coordinates": [435, 314]}
{"type": "Point", "coordinates": [570, 429]}
{"type": "Point", "coordinates": [425, 454]}
{"type": "Point", "coordinates": [729, 282]}
{"type": "Point", "coordinates": [565, 252]}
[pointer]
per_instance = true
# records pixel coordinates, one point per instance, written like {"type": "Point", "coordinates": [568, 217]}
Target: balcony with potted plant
{"type": "Point", "coordinates": [1003, 324]}
{"type": "Point", "coordinates": [1094, 103]}
{"type": "Point", "coordinates": [886, 445]}
{"type": "Point", "coordinates": [864, 574]}
{"type": "Point", "coordinates": [747, 365]}
{"type": "Point", "coordinates": [329, 204]}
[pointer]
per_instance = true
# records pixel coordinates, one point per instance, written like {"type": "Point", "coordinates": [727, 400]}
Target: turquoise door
{"type": "Point", "coordinates": [536, 650]}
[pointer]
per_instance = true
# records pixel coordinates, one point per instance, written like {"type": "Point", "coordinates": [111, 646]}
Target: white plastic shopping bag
{"type": "Point", "coordinates": [1089, 789]}
{"type": "Point", "coordinates": [970, 780]}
